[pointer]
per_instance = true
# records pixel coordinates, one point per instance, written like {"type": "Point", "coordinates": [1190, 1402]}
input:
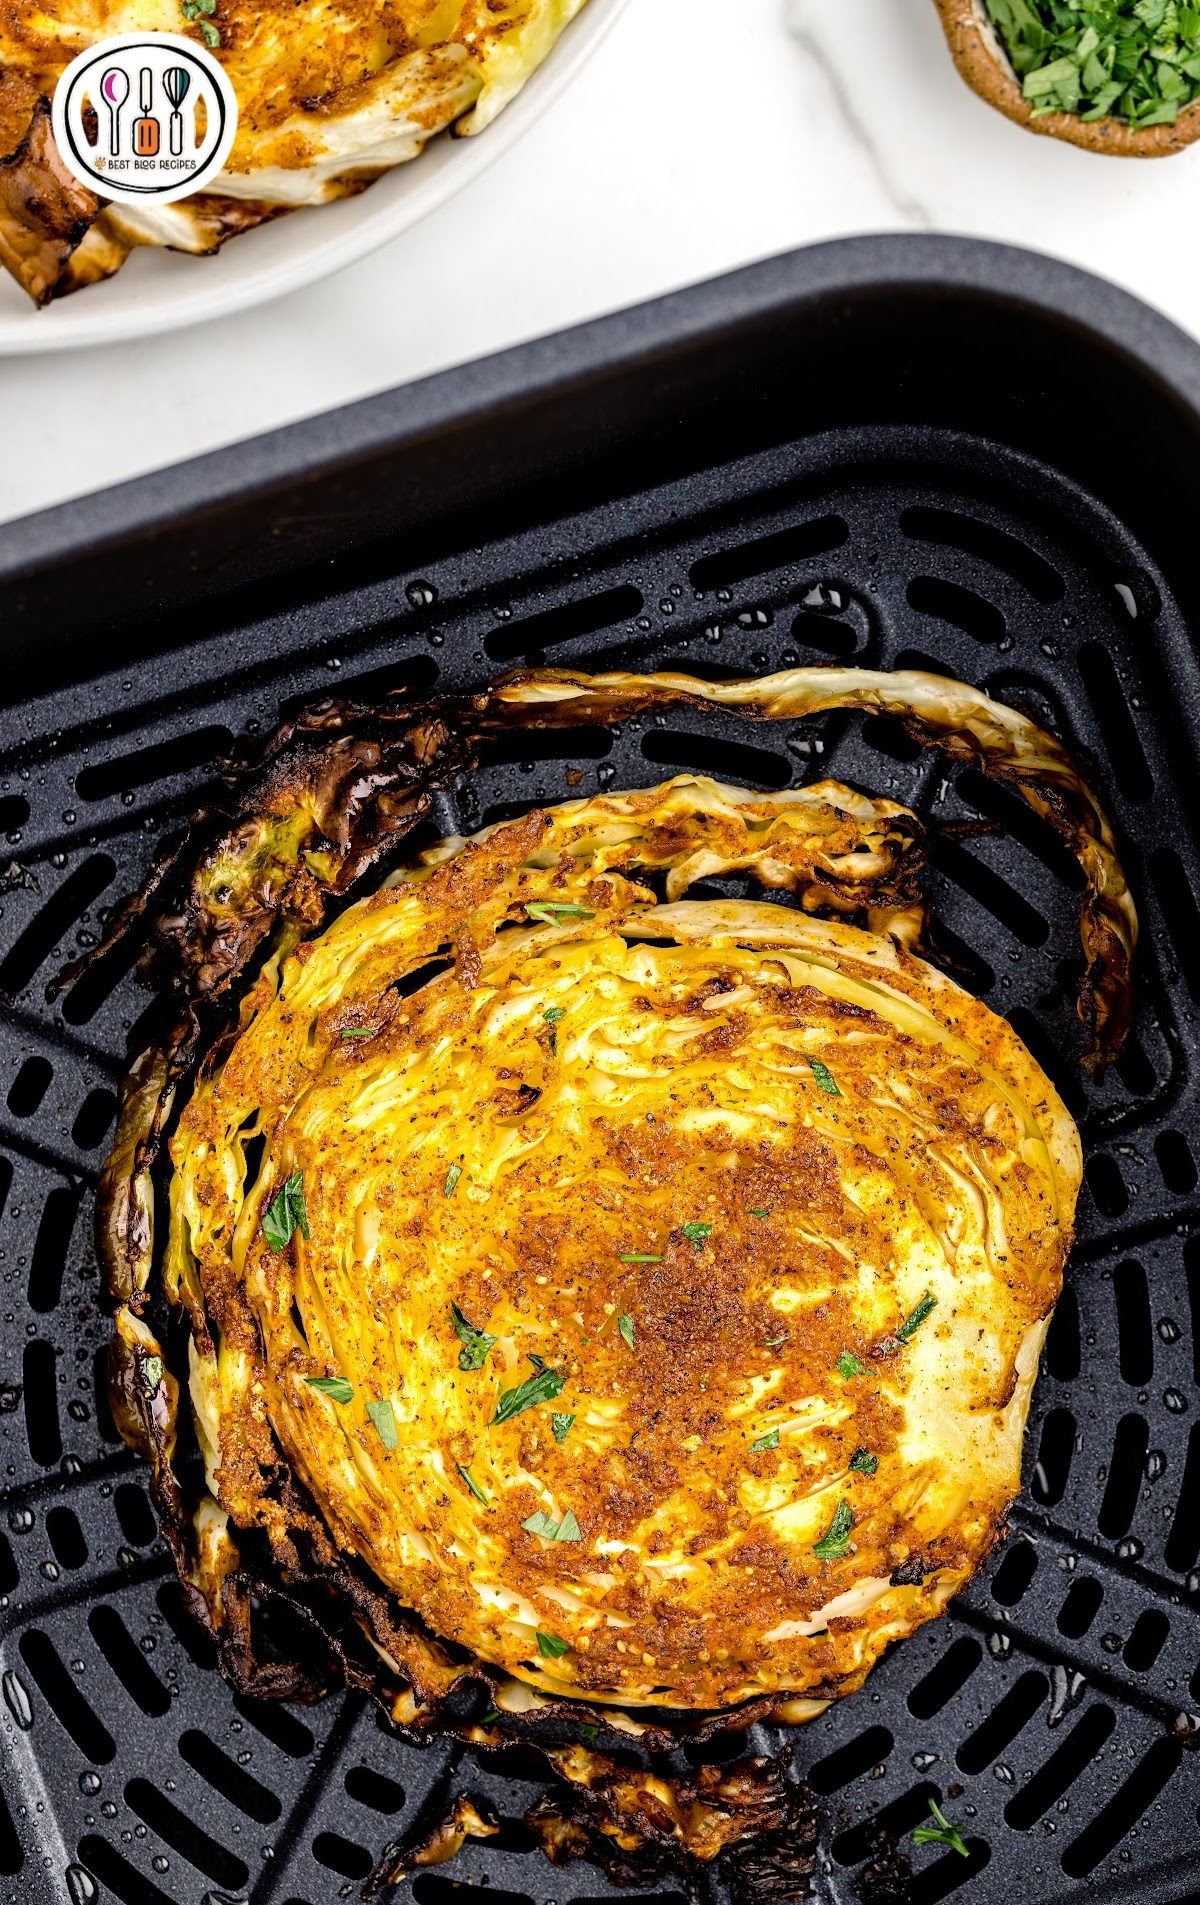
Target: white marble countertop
{"type": "Point", "coordinates": [704, 134]}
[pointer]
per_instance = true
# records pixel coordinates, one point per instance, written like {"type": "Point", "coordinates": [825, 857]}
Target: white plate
{"type": "Point", "coordinates": [164, 290]}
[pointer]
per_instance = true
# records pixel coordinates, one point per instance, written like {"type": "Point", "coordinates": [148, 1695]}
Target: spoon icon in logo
{"type": "Point", "coordinates": [114, 90]}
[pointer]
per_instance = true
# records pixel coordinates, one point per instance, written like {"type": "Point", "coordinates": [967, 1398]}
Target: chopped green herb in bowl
{"type": "Point", "coordinates": [1137, 60]}
{"type": "Point", "coordinates": [1111, 75]}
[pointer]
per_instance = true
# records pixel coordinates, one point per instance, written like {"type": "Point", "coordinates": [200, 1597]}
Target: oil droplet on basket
{"type": "Point", "coordinates": [805, 746]}
{"type": "Point", "coordinates": [826, 600]}
{"type": "Point", "coordinates": [81, 1885]}
{"type": "Point", "coordinates": [90, 1783]}
{"type": "Point", "coordinates": [1068, 1691]}
{"type": "Point", "coordinates": [421, 594]}
{"type": "Point", "coordinates": [16, 1699]}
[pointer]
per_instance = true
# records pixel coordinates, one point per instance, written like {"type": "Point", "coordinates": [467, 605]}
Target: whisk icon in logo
{"type": "Point", "coordinates": [176, 85]}
{"type": "Point", "coordinates": [173, 143]}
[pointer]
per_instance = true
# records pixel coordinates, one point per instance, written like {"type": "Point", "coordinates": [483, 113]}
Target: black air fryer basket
{"type": "Point", "coordinates": [906, 452]}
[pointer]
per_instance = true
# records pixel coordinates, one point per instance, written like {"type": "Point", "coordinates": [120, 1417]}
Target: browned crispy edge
{"type": "Point", "coordinates": [974, 50]}
{"type": "Point", "coordinates": [211, 217]}
{"type": "Point", "coordinates": [45, 214]}
{"type": "Point", "coordinates": [56, 235]}
{"type": "Point", "coordinates": [755, 1824]}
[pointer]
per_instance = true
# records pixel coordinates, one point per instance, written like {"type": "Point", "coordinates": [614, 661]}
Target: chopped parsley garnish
{"type": "Point", "coordinates": [625, 1325]}
{"type": "Point", "coordinates": [591, 1734]}
{"type": "Point", "coordinates": [335, 1387]}
{"type": "Point", "coordinates": [562, 1426]}
{"type": "Point", "coordinates": [1136, 60]}
{"type": "Point", "coordinates": [765, 1442]}
{"type": "Point", "coordinates": [384, 1417]}
{"type": "Point", "coordinates": [835, 1542]}
{"type": "Point", "coordinates": [488, 1719]}
{"type": "Point", "coordinates": [863, 1462]}
{"type": "Point", "coordinates": [357, 1031]}
{"type": "Point", "coordinates": [555, 912]}
{"type": "Point", "coordinates": [472, 1484]}
{"type": "Point", "coordinates": [543, 1387]}
{"type": "Point", "coordinates": [697, 1234]}
{"type": "Point", "coordinates": [452, 1177]}
{"type": "Point", "coordinates": [773, 1342]}
{"type": "Point", "coordinates": [552, 1015]}
{"type": "Point", "coordinates": [630, 1256]}
{"type": "Point", "coordinates": [760, 1213]}
{"type": "Point", "coordinates": [542, 1524]}
{"type": "Point", "coordinates": [550, 1647]}
{"type": "Point", "coordinates": [943, 1833]}
{"type": "Point", "coordinates": [912, 1324]}
{"type": "Point", "coordinates": [825, 1078]}
{"type": "Point", "coordinates": [152, 1374]}
{"type": "Point", "coordinates": [199, 10]}
{"type": "Point", "coordinates": [848, 1364]}
{"type": "Point", "coordinates": [286, 1214]}
{"type": "Point", "coordinates": [475, 1343]}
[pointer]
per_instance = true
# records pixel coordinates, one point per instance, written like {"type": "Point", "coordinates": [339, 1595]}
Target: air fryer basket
{"type": "Point", "coordinates": [906, 453]}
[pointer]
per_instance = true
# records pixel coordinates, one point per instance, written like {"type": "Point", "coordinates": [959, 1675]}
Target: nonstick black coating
{"type": "Point", "coordinates": [1051, 1711]}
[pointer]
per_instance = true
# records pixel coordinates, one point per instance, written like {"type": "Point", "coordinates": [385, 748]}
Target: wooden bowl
{"type": "Point", "coordinates": [980, 58]}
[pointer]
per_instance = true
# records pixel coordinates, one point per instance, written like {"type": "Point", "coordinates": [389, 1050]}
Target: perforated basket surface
{"type": "Point", "coordinates": [1049, 1711]}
